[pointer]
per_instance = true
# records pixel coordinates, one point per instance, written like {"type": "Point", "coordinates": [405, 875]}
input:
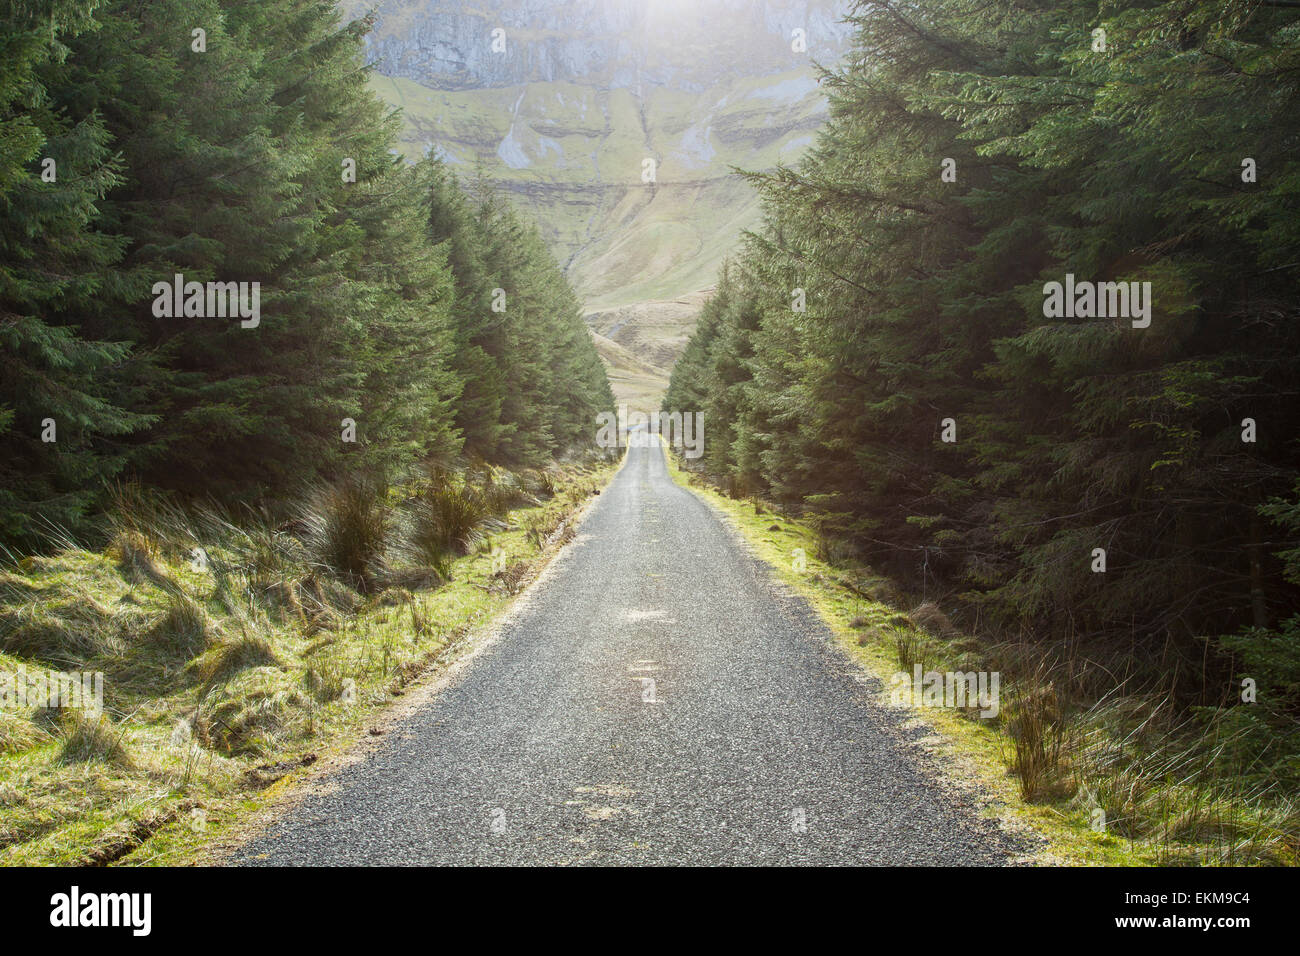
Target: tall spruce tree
{"type": "Point", "coordinates": [60, 413]}
{"type": "Point", "coordinates": [974, 153]}
{"type": "Point", "coordinates": [234, 141]}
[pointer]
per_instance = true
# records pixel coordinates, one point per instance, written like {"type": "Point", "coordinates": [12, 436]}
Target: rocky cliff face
{"type": "Point", "coordinates": [564, 102]}
{"type": "Point", "coordinates": [689, 45]}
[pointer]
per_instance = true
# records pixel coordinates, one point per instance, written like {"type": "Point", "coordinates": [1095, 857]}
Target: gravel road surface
{"type": "Point", "coordinates": [655, 699]}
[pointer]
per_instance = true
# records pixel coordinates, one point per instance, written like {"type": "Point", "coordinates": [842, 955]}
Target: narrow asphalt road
{"type": "Point", "coordinates": [655, 701]}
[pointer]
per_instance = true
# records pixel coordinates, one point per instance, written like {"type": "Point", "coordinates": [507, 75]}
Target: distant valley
{"type": "Point", "coordinates": [583, 93]}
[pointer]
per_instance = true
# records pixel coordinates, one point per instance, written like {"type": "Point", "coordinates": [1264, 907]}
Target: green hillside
{"type": "Point", "coordinates": [572, 157]}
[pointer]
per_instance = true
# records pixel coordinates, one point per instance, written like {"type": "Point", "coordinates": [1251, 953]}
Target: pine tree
{"type": "Point", "coordinates": [59, 411]}
{"type": "Point", "coordinates": [974, 153]}
{"type": "Point", "coordinates": [234, 141]}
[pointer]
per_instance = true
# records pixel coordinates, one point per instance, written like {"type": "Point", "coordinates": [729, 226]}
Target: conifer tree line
{"type": "Point", "coordinates": [879, 353]}
{"type": "Point", "coordinates": [236, 141]}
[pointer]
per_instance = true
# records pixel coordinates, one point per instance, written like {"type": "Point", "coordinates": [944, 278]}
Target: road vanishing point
{"type": "Point", "coordinates": [656, 698]}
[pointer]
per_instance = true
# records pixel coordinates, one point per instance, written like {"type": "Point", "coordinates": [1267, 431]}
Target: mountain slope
{"type": "Point", "coordinates": [565, 117]}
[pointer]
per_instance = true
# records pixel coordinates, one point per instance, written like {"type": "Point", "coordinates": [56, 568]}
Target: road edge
{"type": "Point", "coordinates": [262, 809]}
{"type": "Point", "coordinates": [959, 756]}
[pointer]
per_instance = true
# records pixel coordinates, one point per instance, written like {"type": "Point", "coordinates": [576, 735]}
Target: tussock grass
{"type": "Point", "coordinates": [257, 709]}
{"type": "Point", "coordinates": [448, 516]}
{"type": "Point", "coordinates": [1038, 734]}
{"type": "Point", "coordinates": [543, 484]}
{"type": "Point", "coordinates": [19, 731]}
{"type": "Point", "coordinates": [86, 738]}
{"type": "Point", "coordinates": [1099, 758]}
{"type": "Point", "coordinates": [137, 555]}
{"type": "Point", "coordinates": [185, 629]}
{"type": "Point", "coordinates": [930, 618]}
{"type": "Point", "coordinates": [503, 490]}
{"type": "Point", "coordinates": [230, 657]}
{"type": "Point", "coordinates": [910, 646]}
{"type": "Point", "coordinates": [226, 643]}
{"type": "Point", "coordinates": [348, 530]}
{"type": "Point", "coordinates": [326, 681]}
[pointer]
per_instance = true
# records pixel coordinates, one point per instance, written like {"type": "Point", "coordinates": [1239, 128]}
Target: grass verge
{"type": "Point", "coordinates": [1159, 813]}
{"type": "Point", "coordinates": [234, 658]}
